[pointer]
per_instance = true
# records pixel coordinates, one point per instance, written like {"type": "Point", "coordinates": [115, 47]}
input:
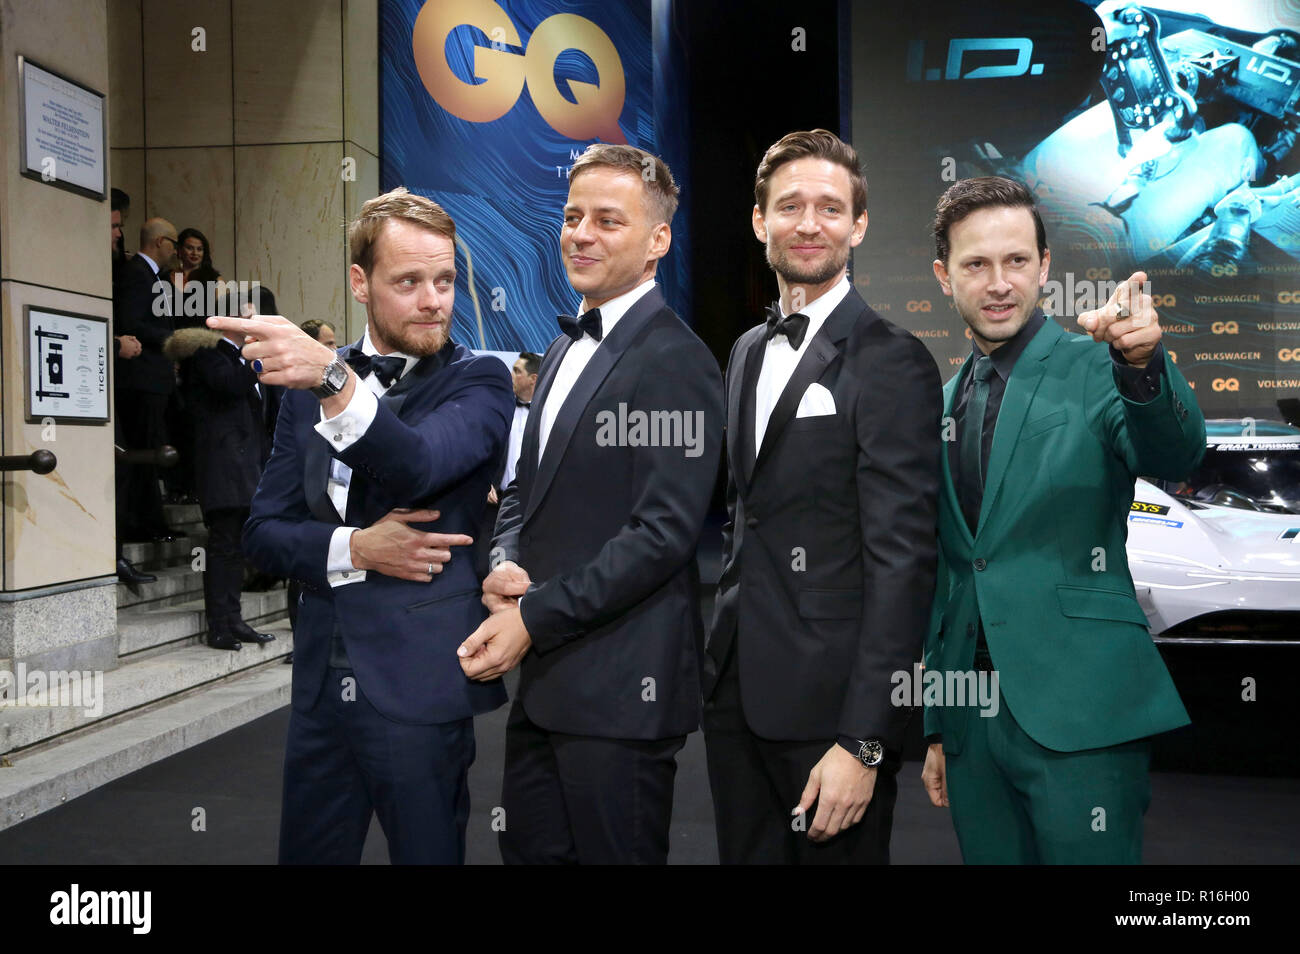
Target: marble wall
{"type": "Point", "coordinates": [257, 124]}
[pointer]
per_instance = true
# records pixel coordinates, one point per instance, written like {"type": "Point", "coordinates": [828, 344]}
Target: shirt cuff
{"type": "Point", "coordinates": [349, 425]}
{"type": "Point", "coordinates": [1139, 385]}
{"type": "Point", "coordinates": [339, 570]}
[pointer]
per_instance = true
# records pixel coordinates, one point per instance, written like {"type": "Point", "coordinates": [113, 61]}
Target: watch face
{"type": "Point", "coordinates": [336, 375]}
{"type": "Point", "coordinates": [872, 753]}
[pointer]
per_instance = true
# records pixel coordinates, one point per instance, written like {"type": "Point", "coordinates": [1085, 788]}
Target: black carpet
{"type": "Point", "coordinates": [146, 817]}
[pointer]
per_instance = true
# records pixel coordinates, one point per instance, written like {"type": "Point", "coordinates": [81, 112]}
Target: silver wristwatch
{"type": "Point", "coordinates": [332, 380]}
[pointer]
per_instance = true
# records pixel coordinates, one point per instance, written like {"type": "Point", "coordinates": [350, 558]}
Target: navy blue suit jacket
{"type": "Point", "coordinates": [434, 443]}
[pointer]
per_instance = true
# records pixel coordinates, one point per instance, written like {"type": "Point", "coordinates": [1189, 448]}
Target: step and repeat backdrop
{"type": "Point", "coordinates": [1160, 137]}
{"type": "Point", "coordinates": [484, 106]}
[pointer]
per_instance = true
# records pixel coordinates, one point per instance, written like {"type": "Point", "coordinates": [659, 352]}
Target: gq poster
{"type": "Point", "coordinates": [484, 106]}
{"type": "Point", "coordinates": [1157, 136]}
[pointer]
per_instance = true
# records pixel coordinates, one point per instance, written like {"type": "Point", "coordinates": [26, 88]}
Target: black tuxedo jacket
{"type": "Point", "coordinates": [432, 444]}
{"type": "Point", "coordinates": [133, 314]}
{"type": "Point", "coordinates": [233, 422]}
{"type": "Point", "coordinates": [829, 549]}
{"type": "Point", "coordinates": [607, 525]}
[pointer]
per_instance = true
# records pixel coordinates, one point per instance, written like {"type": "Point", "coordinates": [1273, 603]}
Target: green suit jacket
{"type": "Point", "coordinates": [1046, 569]}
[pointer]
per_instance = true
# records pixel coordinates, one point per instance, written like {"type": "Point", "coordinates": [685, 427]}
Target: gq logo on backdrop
{"type": "Point", "coordinates": [1224, 328]}
{"type": "Point", "coordinates": [1021, 46]}
{"type": "Point", "coordinates": [1288, 354]}
{"type": "Point", "coordinates": [1225, 384]}
{"type": "Point", "coordinates": [1288, 297]}
{"type": "Point", "coordinates": [503, 73]}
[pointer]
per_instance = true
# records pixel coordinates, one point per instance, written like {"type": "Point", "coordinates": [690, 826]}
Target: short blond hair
{"type": "Point", "coordinates": [398, 204]}
{"type": "Point", "coordinates": [661, 191]}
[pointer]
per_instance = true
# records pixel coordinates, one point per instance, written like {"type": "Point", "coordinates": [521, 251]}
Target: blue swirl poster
{"type": "Point", "coordinates": [483, 107]}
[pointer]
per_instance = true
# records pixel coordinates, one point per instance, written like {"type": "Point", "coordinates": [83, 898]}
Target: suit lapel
{"type": "Point", "coordinates": [949, 487]}
{"type": "Point", "coordinates": [526, 469]}
{"type": "Point", "coordinates": [822, 350]}
{"type": "Point", "coordinates": [602, 361]}
{"type": "Point", "coordinates": [395, 397]}
{"type": "Point", "coordinates": [741, 410]}
{"type": "Point", "coordinates": [1019, 394]}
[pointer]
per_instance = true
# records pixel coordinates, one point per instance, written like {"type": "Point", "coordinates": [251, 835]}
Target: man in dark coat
{"type": "Point", "coordinates": [234, 418]}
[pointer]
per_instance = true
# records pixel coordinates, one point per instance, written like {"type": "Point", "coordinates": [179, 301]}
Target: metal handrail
{"type": "Point", "coordinates": [163, 456]}
{"type": "Point", "coordinates": [38, 462]}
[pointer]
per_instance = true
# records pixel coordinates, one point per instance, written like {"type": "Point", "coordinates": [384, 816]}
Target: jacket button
{"type": "Point", "coordinates": [751, 522]}
{"type": "Point", "coordinates": [980, 563]}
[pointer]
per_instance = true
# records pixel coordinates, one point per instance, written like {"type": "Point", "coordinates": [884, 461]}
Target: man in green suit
{"type": "Point", "coordinates": [1047, 432]}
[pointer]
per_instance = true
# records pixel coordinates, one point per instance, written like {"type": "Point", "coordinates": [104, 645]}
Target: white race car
{"type": "Point", "coordinates": [1216, 560]}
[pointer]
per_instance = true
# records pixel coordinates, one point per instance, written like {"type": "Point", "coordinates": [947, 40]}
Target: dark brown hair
{"type": "Point", "coordinates": [817, 144]}
{"type": "Point", "coordinates": [661, 191]}
{"type": "Point", "coordinates": [982, 192]}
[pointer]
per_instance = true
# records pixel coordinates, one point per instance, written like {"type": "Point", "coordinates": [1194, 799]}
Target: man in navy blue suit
{"type": "Point", "coordinates": [399, 434]}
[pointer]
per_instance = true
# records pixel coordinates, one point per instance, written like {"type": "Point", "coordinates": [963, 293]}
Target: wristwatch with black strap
{"type": "Point", "coordinates": [870, 752]}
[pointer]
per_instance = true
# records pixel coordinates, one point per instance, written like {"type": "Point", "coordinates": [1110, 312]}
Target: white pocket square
{"type": "Point", "coordinates": [816, 402]}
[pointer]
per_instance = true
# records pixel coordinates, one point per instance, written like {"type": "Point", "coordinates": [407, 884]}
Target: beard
{"type": "Point", "coordinates": [796, 274]}
{"type": "Point", "coordinates": [400, 336]}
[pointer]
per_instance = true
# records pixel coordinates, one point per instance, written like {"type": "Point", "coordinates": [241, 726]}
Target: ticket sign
{"type": "Point", "coordinates": [67, 366]}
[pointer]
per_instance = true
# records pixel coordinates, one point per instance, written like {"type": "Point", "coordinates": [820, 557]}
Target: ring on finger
{"type": "Point", "coordinates": [431, 571]}
{"type": "Point", "coordinates": [1123, 312]}
{"type": "Point", "coordinates": [258, 367]}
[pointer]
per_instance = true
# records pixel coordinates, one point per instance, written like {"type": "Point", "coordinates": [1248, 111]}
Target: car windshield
{"type": "Point", "coordinates": [1269, 478]}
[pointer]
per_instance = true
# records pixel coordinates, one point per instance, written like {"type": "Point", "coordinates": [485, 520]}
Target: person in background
{"type": "Point", "coordinates": [143, 308]}
{"type": "Point", "coordinates": [126, 347]}
{"type": "Point", "coordinates": [234, 418]}
{"type": "Point", "coordinates": [321, 330]}
{"type": "Point", "coordinates": [523, 376]}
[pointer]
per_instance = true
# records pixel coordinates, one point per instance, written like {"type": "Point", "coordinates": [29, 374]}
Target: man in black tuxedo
{"type": "Point", "coordinates": [383, 456]}
{"type": "Point", "coordinates": [523, 377]}
{"type": "Point", "coordinates": [828, 558]}
{"type": "Point", "coordinates": [234, 419]}
{"type": "Point", "coordinates": [598, 534]}
{"type": "Point", "coordinates": [142, 308]}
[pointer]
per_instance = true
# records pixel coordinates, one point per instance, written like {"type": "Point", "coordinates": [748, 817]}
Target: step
{"type": "Point", "coordinates": [172, 582]}
{"type": "Point", "coordinates": [137, 683]}
{"type": "Point", "coordinates": [181, 515]}
{"type": "Point", "coordinates": [52, 774]}
{"type": "Point", "coordinates": [147, 627]}
{"type": "Point", "coordinates": [146, 556]}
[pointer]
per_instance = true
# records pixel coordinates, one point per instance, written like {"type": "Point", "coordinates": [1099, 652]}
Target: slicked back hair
{"type": "Point", "coordinates": [811, 144]}
{"type": "Point", "coordinates": [983, 192]}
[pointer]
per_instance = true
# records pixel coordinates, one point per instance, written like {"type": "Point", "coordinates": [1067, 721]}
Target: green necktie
{"type": "Point", "coordinates": [972, 441]}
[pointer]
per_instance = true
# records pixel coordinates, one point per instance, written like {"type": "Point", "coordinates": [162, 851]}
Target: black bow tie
{"type": "Point", "coordinates": [519, 403]}
{"type": "Point", "coordinates": [588, 324]}
{"type": "Point", "coordinates": [387, 367]}
{"type": "Point", "coordinates": [794, 327]}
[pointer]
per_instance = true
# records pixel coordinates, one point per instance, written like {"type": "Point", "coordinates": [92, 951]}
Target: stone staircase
{"type": "Point", "coordinates": [169, 691]}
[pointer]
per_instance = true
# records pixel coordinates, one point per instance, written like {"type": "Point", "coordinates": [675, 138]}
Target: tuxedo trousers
{"type": "Point", "coordinates": [757, 782]}
{"type": "Point", "coordinates": [223, 571]}
{"type": "Point", "coordinates": [1015, 802]}
{"type": "Point", "coordinates": [140, 507]}
{"type": "Point", "coordinates": [576, 799]}
{"type": "Point", "coordinates": [344, 762]}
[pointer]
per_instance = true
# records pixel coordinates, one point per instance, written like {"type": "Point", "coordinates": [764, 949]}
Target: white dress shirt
{"type": "Point", "coordinates": [342, 431]}
{"type": "Point", "coordinates": [515, 445]}
{"type": "Point", "coordinates": [576, 358]}
{"type": "Point", "coordinates": [157, 274]}
{"type": "Point", "coordinates": [780, 360]}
